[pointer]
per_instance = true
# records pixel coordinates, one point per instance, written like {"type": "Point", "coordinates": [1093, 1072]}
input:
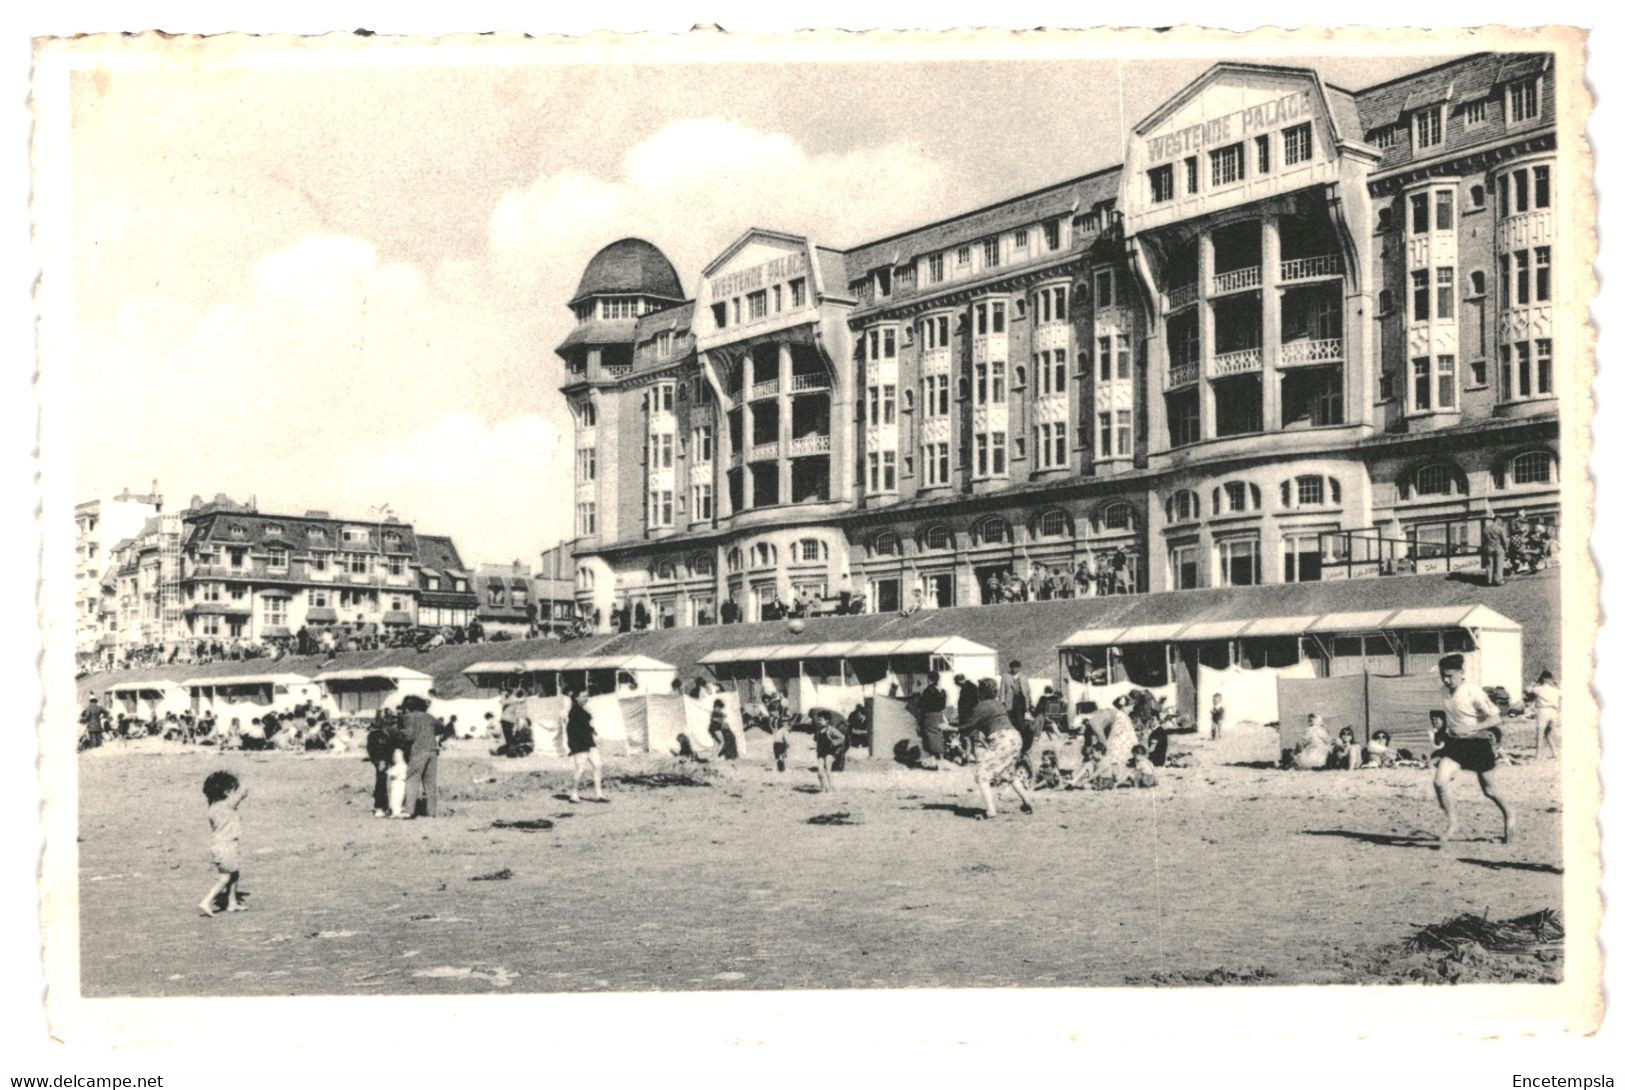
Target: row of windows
{"type": "Point", "coordinates": [794, 293]}
{"type": "Point", "coordinates": [1228, 165]}
{"type": "Point", "coordinates": [1238, 497]}
{"type": "Point", "coordinates": [1114, 517]}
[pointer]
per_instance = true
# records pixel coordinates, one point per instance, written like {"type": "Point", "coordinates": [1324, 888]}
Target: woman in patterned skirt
{"type": "Point", "coordinates": [1001, 748]}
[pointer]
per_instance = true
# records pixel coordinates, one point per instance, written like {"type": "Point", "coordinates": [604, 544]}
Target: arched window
{"type": "Point", "coordinates": [1385, 301]}
{"type": "Point", "coordinates": [992, 530]}
{"type": "Point", "coordinates": [1337, 490]}
{"type": "Point", "coordinates": [665, 569]}
{"type": "Point", "coordinates": [1475, 196]}
{"type": "Point", "coordinates": [809, 550]}
{"type": "Point", "coordinates": [701, 564]}
{"type": "Point", "coordinates": [585, 580]}
{"type": "Point", "coordinates": [964, 388]}
{"type": "Point", "coordinates": [763, 555]}
{"type": "Point", "coordinates": [589, 415]}
{"type": "Point", "coordinates": [937, 538]}
{"type": "Point", "coordinates": [1020, 381]}
{"type": "Point", "coordinates": [1385, 219]}
{"type": "Point", "coordinates": [1476, 277]}
{"type": "Point", "coordinates": [736, 559]}
{"type": "Point", "coordinates": [908, 401]}
{"type": "Point", "coordinates": [1235, 496]}
{"type": "Point", "coordinates": [1115, 516]}
{"type": "Point", "coordinates": [1184, 506]}
{"type": "Point", "coordinates": [1286, 493]}
{"type": "Point", "coordinates": [1054, 523]}
{"type": "Point", "coordinates": [1437, 479]}
{"type": "Point", "coordinates": [885, 544]}
{"type": "Point", "coordinates": [1532, 467]}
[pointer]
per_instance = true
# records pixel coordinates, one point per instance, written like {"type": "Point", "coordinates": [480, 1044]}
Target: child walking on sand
{"type": "Point", "coordinates": [828, 737]}
{"type": "Point", "coordinates": [225, 834]}
{"type": "Point", "coordinates": [397, 782]}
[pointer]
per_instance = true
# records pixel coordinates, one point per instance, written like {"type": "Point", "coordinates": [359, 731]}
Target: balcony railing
{"type": "Point", "coordinates": [769, 388]}
{"type": "Point", "coordinates": [1183, 374]}
{"type": "Point", "coordinates": [809, 444]}
{"type": "Point", "coordinates": [1182, 296]}
{"type": "Point", "coordinates": [1311, 268]}
{"type": "Point", "coordinates": [764, 452]}
{"type": "Point", "coordinates": [799, 383]}
{"type": "Point", "coordinates": [617, 370]}
{"type": "Point", "coordinates": [1237, 280]}
{"type": "Point", "coordinates": [1327, 350]}
{"type": "Point", "coordinates": [1238, 363]}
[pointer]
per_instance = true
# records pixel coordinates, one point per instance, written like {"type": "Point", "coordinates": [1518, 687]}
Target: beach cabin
{"type": "Point", "coordinates": [363, 690]}
{"type": "Point", "coordinates": [1241, 658]}
{"type": "Point", "coordinates": [614, 675]}
{"type": "Point", "coordinates": [150, 699]}
{"type": "Point", "coordinates": [239, 695]}
{"type": "Point", "coordinates": [840, 674]}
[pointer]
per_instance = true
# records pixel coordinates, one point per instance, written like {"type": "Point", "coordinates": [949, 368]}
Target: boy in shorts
{"type": "Point", "coordinates": [225, 834]}
{"type": "Point", "coordinates": [1471, 730]}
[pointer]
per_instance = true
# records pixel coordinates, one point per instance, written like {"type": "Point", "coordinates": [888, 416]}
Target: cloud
{"type": "Point", "coordinates": [324, 376]}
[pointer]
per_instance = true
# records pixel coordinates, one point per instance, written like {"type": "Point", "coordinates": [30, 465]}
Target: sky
{"type": "Point", "coordinates": [340, 288]}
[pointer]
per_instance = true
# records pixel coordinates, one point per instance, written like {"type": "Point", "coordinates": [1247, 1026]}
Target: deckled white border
{"type": "Point", "coordinates": [787, 1015]}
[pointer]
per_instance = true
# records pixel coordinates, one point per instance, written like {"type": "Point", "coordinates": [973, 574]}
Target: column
{"type": "Point", "coordinates": [1270, 276]}
{"type": "Point", "coordinates": [785, 493]}
{"type": "Point", "coordinates": [1204, 312]}
{"type": "Point", "coordinates": [747, 432]}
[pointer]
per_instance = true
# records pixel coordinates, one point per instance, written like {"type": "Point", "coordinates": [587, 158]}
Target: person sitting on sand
{"type": "Point", "coordinates": [1084, 776]}
{"type": "Point", "coordinates": [1379, 752]}
{"type": "Point", "coordinates": [1314, 749]}
{"type": "Point", "coordinates": [1140, 773]}
{"type": "Point", "coordinates": [1347, 754]}
{"type": "Point", "coordinates": [1048, 776]}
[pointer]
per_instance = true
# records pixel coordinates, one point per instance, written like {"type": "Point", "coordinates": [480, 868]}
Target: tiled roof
{"type": "Point", "coordinates": [296, 532]}
{"type": "Point", "coordinates": [600, 331]}
{"type": "Point", "coordinates": [630, 266]}
{"type": "Point", "coordinates": [1456, 83]}
{"type": "Point", "coordinates": [437, 551]}
{"type": "Point", "coordinates": [1062, 199]}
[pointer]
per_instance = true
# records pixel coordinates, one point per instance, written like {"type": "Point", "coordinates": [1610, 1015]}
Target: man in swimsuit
{"type": "Point", "coordinates": [1471, 722]}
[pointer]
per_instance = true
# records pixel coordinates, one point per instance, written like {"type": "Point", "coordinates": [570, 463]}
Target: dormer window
{"type": "Point", "coordinates": [1427, 127]}
{"type": "Point", "coordinates": [236, 531]}
{"type": "Point", "coordinates": [882, 283]}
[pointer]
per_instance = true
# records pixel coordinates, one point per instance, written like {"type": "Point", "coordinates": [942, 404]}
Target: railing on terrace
{"type": "Point", "coordinates": [809, 382]}
{"type": "Point", "coordinates": [1427, 548]}
{"type": "Point", "coordinates": [1237, 280]}
{"type": "Point", "coordinates": [1183, 374]}
{"type": "Point", "coordinates": [617, 370]}
{"type": "Point", "coordinates": [764, 452]}
{"type": "Point", "coordinates": [1239, 362]}
{"type": "Point", "coordinates": [767, 388]}
{"type": "Point", "coordinates": [1311, 268]}
{"type": "Point", "coordinates": [1326, 350]}
{"type": "Point", "coordinates": [809, 444]}
{"type": "Point", "coordinates": [1182, 296]}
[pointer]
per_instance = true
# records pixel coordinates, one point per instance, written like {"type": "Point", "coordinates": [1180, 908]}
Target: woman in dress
{"type": "Point", "coordinates": [1120, 740]}
{"type": "Point", "coordinates": [1001, 748]}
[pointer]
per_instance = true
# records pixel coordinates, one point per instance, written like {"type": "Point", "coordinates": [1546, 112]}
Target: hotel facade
{"type": "Point", "coordinates": [1301, 333]}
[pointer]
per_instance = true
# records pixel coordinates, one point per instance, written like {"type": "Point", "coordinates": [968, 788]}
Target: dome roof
{"type": "Point", "coordinates": [629, 267]}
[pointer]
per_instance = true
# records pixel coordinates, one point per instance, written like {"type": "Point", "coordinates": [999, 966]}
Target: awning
{"type": "Point", "coordinates": [1480, 617]}
{"type": "Point", "coordinates": [275, 592]}
{"type": "Point", "coordinates": [397, 617]}
{"type": "Point", "coordinates": [1368, 620]}
{"type": "Point", "coordinates": [233, 609]}
{"type": "Point", "coordinates": [1092, 637]}
{"type": "Point", "coordinates": [1214, 630]}
{"type": "Point", "coordinates": [388, 673]}
{"type": "Point", "coordinates": [1150, 633]}
{"type": "Point", "coordinates": [321, 615]}
{"type": "Point", "coordinates": [275, 631]}
{"type": "Point", "coordinates": [513, 667]}
{"type": "Point", "coordinates": [232, 680]}
{"type": "Point", "coordinates": [866, 649]}
{"type": "Point", "coordinates": [160, 685]}
{"type": "Point", "coordinates": [1281, 626]}
{"type": "Point", "coordinates": [430, 572]}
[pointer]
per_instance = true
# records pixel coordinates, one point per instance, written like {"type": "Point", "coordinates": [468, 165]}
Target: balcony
{"type": "Point", "coordinates": [769, 388]}
{"type": "Point", "coordinates": [1183, 374]}
{"type": "Point", "coordinates": [1311, 268]}
{"type": "Point", "coordinates": [808, 444]}
{"type": "Point", "coordinates": [1308, 352]}
{"type": "Point", "coordinates": [764, 452]}
{"type": "Point", "coordinates": [617, 370]}
{"type": "Point", "coordinates": [1238, 363]}
{"type": "Point", "coordinates": [1246, 279]}
{"type": "Point", "coordinates": [1182, 296]}
{"type": "Point", "coordinates": [800, 383]}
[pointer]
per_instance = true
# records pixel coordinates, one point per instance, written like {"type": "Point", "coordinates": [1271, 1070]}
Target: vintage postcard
{"type": "Point", "coordinates": [722, 513]}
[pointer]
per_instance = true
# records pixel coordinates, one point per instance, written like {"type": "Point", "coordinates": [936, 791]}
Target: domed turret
{"type": "Point", "coordinates": [629, 267]}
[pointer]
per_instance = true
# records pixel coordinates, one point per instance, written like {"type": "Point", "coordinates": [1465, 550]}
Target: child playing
{"type": "Point", "coordinates": [1089, 771]}
{"type": "Point", "coordinates": [397, 782]}
{"type": "Point", "coordinates": [1049, 772]}
{"type": "Point", "coordinates": [1346, 754]}
{"type": "Point", "coordinates": [781, 744]}
{"type": "Point", "coordinates": [829, 738]}
{"type": "Point", "coordinates": [225, 832]}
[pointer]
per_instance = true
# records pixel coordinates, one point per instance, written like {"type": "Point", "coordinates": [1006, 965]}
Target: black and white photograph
{"type": "Point", "coordinates": [737, 514]}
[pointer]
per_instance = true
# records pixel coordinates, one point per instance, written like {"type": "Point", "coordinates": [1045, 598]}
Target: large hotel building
{"type": "Point", "coordinates": [1300, 333]}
